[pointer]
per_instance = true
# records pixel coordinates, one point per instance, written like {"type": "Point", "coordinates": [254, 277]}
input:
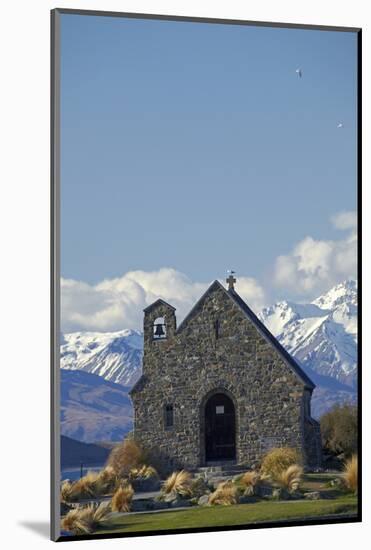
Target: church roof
{"type": "Point", "coordinates": [156, 303]}
{"type": "Point", "coordinates": [260, 327]}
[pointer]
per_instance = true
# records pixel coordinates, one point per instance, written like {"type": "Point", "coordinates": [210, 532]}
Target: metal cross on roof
{"type": "Point", "coordinates": [230, 280]}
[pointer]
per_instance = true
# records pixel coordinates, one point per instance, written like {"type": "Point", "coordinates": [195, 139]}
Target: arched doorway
{"type": "Point", "coordinates": [220, 428]}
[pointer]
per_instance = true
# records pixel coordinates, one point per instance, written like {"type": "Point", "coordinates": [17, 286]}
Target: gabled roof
{"type": "Point", "coordinates": [260, 327]}
{"type": "Point", "coordinates": [213, 285]}
{"type": "Point", "coordinates": [157, 303]}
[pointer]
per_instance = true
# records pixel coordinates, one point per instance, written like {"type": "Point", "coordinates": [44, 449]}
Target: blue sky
{"type": "Point", "coordinates": [197, 147]}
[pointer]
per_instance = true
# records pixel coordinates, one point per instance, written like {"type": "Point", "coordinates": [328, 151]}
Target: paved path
{"type": "Point", "coordinates": [136, 496]}
{"type": "Point", "coordinates": [146, 496]}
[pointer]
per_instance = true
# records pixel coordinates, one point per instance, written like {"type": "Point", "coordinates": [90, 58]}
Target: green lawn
{"type": "Point", "coordinates": [240, 514]}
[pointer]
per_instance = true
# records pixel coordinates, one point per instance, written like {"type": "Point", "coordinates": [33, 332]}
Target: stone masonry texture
{"type": "Point", "coordinates": [272, 402]}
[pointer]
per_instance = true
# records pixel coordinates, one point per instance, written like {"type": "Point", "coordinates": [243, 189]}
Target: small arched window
{"type": "Point", "coordinates": [159, 328]}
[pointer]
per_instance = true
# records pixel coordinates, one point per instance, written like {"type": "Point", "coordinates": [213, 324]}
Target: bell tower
{"type": "Point", "coordinates": [159, 324]}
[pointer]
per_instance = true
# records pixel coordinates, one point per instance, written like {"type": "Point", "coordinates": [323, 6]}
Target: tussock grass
{"type": "Point", "coordinates": [179, 483]}
{"type": "Point", "coordinates": [91, 485]}
{"type": "Point", "coordinates": [199, 487]}
{"type": "Point", "coordinates": [85, 519]}
{"type": "Point", "coordinates": [225, 494]}
{"type": "Point", "coordinates": [125, 457]}
{"type": "Point", "coordinates": [121, 500]}
{"type": "Point", "coordinates": [83, 487]}
{"type": "Point", "coordinates": [250, 479]}
{"type": "Point", "coordinates": [277, 460]}
{"type": "Point", "coordinates": [66, 489]}
{"type": "Point", "coordinates": [349, 474]}
{"type": "Point", "coordinates": [106, 482]}
{"type": "Point", "coordinates": [290, 478]}
{"type": "Point", "coordinates": [144, 472]}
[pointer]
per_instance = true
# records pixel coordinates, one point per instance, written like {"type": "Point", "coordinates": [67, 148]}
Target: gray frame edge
{"type": "Point", "coordinates": [55, 262]}
{"type": "Point", "coordinates": [213, 20]}
{"type": "Point", "coordinates": [55, 274]}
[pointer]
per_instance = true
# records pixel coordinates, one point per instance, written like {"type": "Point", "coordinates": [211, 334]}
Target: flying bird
{"type": "Point", "coordinates": [299, 73]}
{"type": "Point", "coordinates": [340, 125]}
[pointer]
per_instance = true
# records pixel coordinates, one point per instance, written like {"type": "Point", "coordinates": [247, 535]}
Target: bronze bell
{"type": "Point", "coordinates": [159, 331]}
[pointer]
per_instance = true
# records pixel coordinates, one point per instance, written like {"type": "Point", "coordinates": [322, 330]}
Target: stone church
{"type": "Point", "coordinates": [219, 387]}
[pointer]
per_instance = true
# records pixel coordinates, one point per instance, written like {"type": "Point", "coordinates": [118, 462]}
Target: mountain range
{"type": "Point", "coordinates": [98, 369]}
{"type": "Point", "coordinates": [94, 409]}
{"type": "Point", "coordinates": [116, 356]}
{"type": "Point", "coordinates": [321, 335]}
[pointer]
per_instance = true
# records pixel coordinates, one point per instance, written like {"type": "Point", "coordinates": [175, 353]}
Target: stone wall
{"type": "Point", "coordinates": [193, 362]}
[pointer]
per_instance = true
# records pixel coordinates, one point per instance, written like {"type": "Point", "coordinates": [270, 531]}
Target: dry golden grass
{"type": "Point", "coordinates": [143, 472]}
{"type": "Point", "coordinates": [290, 478]}
{"type": "Point", "coordinates": [178, 482]}
{"type": "Point", "coordinates": [121, 500]}
{"type": "Point", "coordinates": [106, 482]}
{"type": "Point", "coordinates": [66, 489]}
{"type": "Point", "coordinates": [126, 456]}
{"type": "Point", "coordinates": [92, 485]}
{"type": "Point", "coordinates": [250, 479]}
{"type": "Point", "coordinates": [85, 519]}
{"type": "Point", "coordinates": [350, 474]}
{"type": "Point", "coordinates": [277, 460]}
{"type": "Point", "coordinates": [83, 487]}
{"type": "Point", "coordinates": [225, 494]}
{"type": "Point", "coordinates": [75, 522]}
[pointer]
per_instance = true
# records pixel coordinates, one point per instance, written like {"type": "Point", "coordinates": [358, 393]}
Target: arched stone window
{"type": "Point", "coordinates": [159, 328]}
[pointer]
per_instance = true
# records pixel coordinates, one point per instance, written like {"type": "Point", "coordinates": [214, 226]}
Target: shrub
{"type": "Point", "coordinates": [75, 522]}
{"type": "Point", "coordinates": [250, 479]}
{"type": "Point", "coordinates": [66, 489]}
{"type": "Point", "coordinates": [350, 474]}
{"type": "Point", "coordinates": [278, 460]}
{"type": "Point", "coordinates": [199, 487]}
{"type": "Point", "coordinates": [82, 488]}
{"type": "Point", "coordinates": [179, 483]}
{"type": "Point", "coordinates": [160, 460]}
{"type": "Point", "coordinates": [290, 478]}
{"type": "Point", "coordinates": [126, 456]}
{"type": "Point", "coordinates": [144, 472]}
{"type": "Point", "coordinates": [339, 429]}
{"type": "Point", "coordinates": [85, 519]}
{"type": "Point", "coordinates": [106, 482]}
{"type": "Point", "coordinates": [91, 485]}
{"type": "Point", "coordinates": [249, 482]}
{"type": "Point", "coordinates": [225, 494]}
{"type": "Point", "coordinates": [122, 498]}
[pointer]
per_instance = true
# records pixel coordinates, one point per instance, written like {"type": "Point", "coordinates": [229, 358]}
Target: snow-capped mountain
{"type": "Point", "coordinates": [321, 335]}
{"type": "Point", "coordinates": [116, 356]}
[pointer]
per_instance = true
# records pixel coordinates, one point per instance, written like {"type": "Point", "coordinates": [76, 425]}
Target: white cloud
{"type": "Point", "coordinates": [313, 266]}
{"type": "Point", "coordinates": [345, 220]}
{"type": "Point", "coordinates": [253, 294]}
{"type": "Point", "coordinates": [114, 304]}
